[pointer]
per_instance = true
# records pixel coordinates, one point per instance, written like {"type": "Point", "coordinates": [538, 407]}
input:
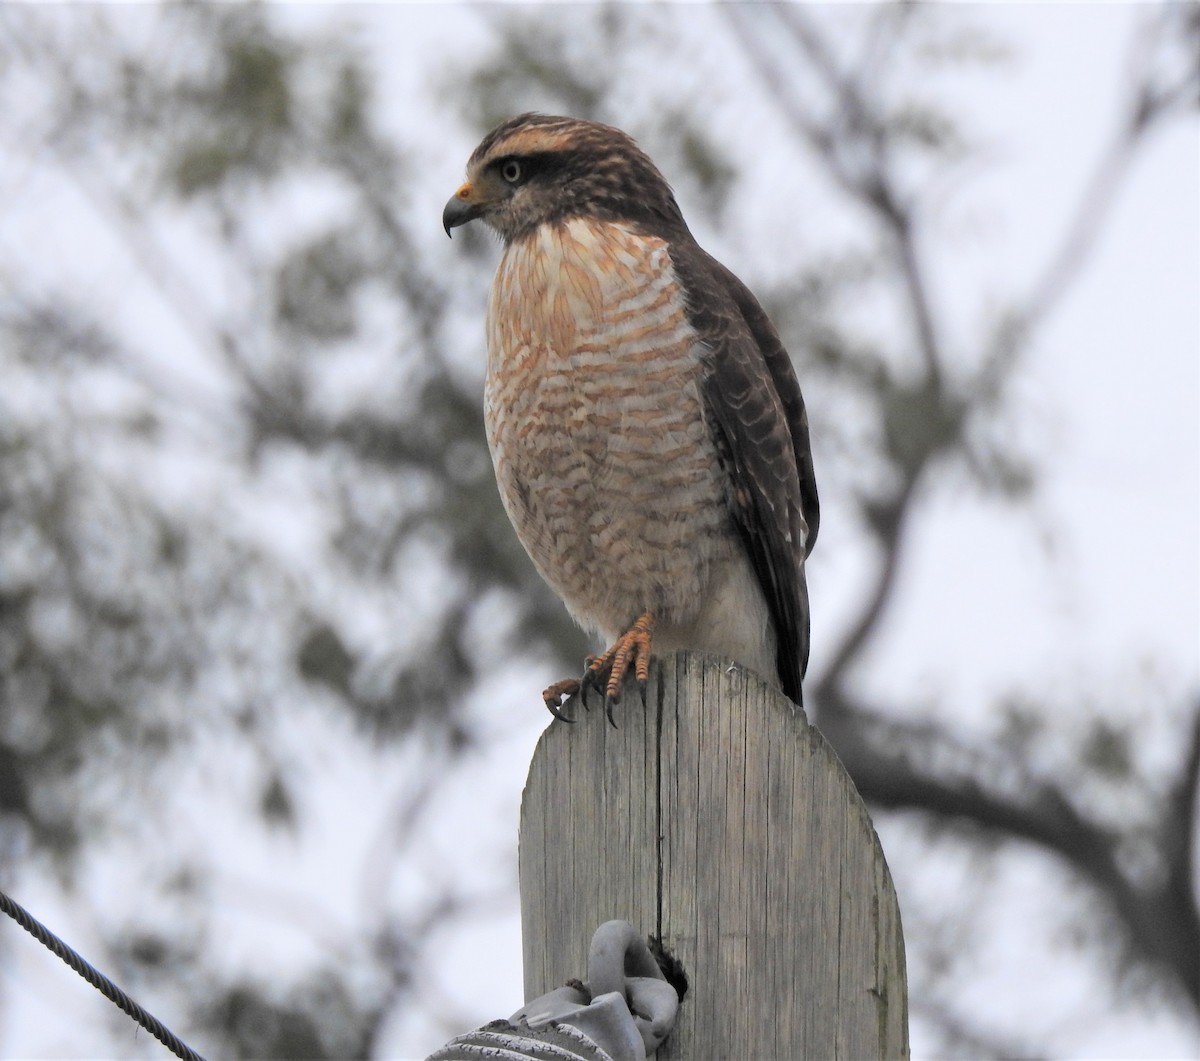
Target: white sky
{"type": "Point", "coordinates": [1114, 390]}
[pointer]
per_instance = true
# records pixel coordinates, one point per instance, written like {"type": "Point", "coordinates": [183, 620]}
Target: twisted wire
{"type": "Point", "coordinates": [98, 980]}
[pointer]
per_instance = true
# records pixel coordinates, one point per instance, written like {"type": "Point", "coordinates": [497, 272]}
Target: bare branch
{"type": "Point", "coordinates": [964, 1040]}
{"type": "Point", "coordinates": [1086, 224]}
{"type": "Point", "coordinates": [1142, 111]}
{"type": "Point", "coordinates": [874, 187]}
{"type": "Point", "coordinates": [888, 520]}
{"type": "Point", "coordinates": [1160, 921]}
{"type": "Point", "coordinates": [127, 218]}
{"type": "Point", "coordinates": [780, 88]}
{"type": "Point", "coordinates": [1183, 872]}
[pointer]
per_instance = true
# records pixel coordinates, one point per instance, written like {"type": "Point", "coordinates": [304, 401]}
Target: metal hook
{"type": "Point", "coordinates": [626, 1006]}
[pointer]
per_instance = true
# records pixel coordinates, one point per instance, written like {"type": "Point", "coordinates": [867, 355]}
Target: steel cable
{"type": "Point", "coordinates": [98, 980]}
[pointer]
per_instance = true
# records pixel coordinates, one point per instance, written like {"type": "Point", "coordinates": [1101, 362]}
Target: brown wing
{"type": "Point", "coordinates": [756, 412]}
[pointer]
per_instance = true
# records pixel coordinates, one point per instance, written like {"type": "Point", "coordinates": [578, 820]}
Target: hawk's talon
{"type": "Point", "coordinates": [608, 711]}
{"type": "Point", "coordinates": [557, 694]}
{"type": "Point", "coordinates": [593, 673]}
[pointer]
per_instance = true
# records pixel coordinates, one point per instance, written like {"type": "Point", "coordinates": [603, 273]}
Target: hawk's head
{"type": "Point", "coordinates": [537, 168]}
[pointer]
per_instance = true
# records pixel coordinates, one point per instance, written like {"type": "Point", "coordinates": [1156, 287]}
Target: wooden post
{"type": "Point", "coordinates": [716, 818]}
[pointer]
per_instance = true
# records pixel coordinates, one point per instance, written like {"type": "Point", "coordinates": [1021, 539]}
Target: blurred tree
{"type": "Point", "coordinates": [149, 612]}
{"type": "Point", "coordinates": [243, 481]}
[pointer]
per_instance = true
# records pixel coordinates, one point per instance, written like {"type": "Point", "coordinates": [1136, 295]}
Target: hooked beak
{"type": "Point", "coordinates": [460, 209]}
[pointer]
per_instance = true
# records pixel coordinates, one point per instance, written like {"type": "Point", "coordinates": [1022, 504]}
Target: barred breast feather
{"type": "Point", "coordinates": [595, 421]}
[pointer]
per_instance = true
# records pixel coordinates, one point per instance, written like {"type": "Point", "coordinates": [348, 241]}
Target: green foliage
{"type": "Point", "coordinates": [241, 109]}
{"type": "Point", "coordinates": [320, 1020]}
{"type": "Point", "coordinates": [526, 65]}
{"type": "Point", "coordinates": [314, 296]}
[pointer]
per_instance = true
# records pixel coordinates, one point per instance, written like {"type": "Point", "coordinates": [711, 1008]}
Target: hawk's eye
{"type": "Point", "coordinates": [511, 171]}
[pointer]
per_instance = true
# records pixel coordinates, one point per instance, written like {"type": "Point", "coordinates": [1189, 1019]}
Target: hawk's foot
{"type": "Point", "coordinates": [631, 649]}
{"type": "Point", "coordinates": [633, 646]}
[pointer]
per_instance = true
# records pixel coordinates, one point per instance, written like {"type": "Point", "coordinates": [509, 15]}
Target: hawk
{"type": "Point", "coordinates": [644, 419]}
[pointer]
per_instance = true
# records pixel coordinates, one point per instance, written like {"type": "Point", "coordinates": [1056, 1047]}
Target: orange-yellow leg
{"type": "Point", "coordinates": [632, 647]}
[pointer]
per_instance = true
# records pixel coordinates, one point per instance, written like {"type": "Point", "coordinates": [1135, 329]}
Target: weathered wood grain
{"type": "Point", "coordinates": [717, 819]}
